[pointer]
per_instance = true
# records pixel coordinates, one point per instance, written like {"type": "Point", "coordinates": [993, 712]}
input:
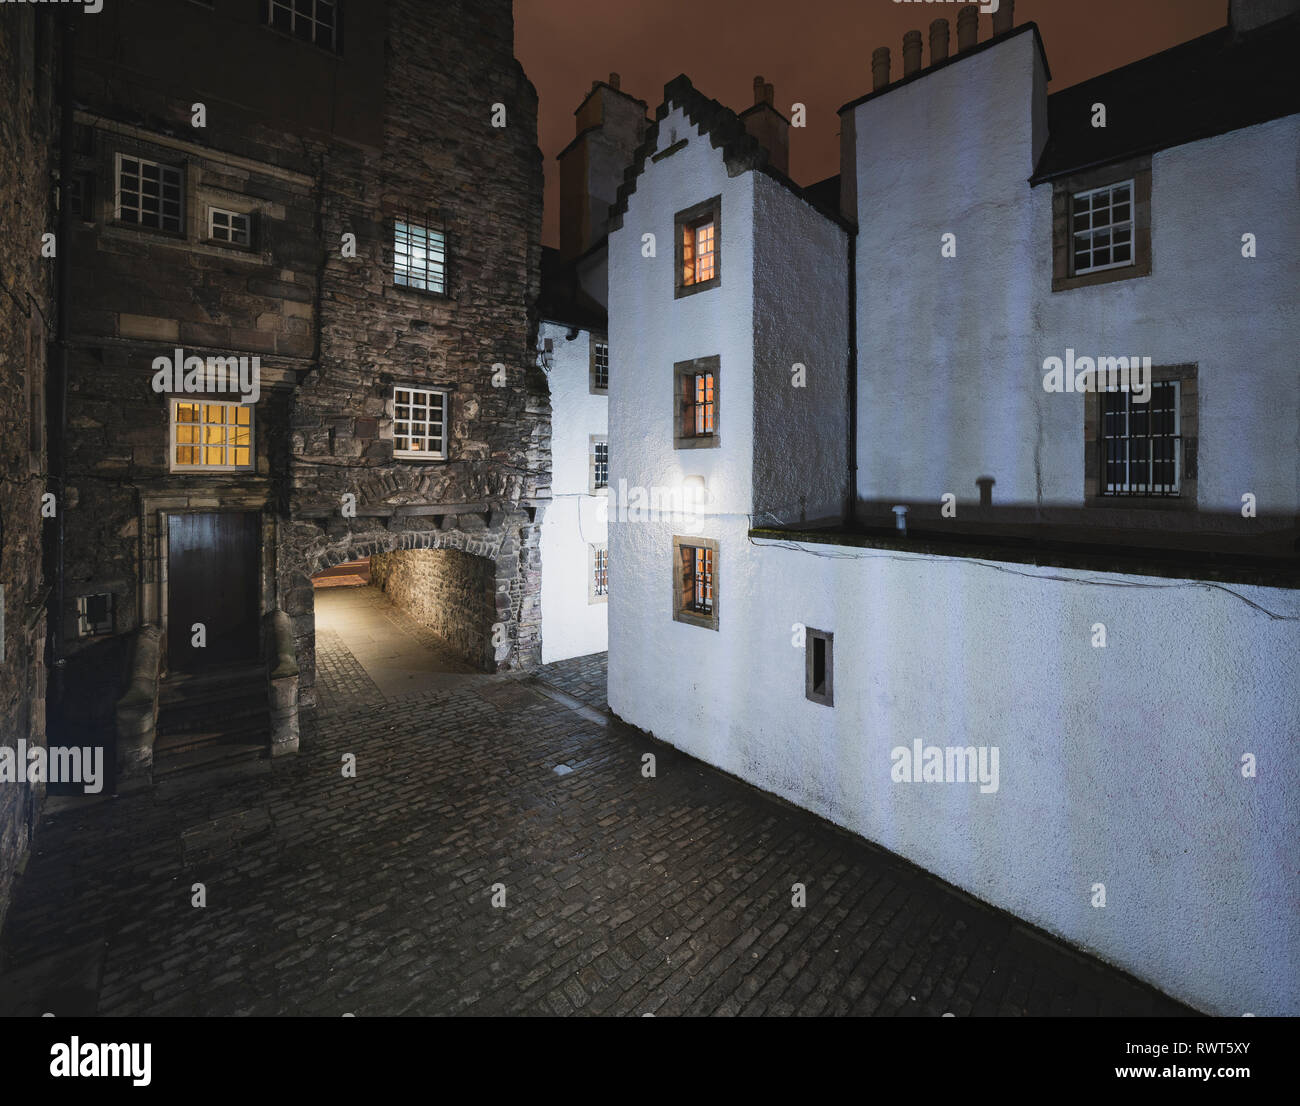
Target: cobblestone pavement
{"type": "Point", "coordinates": [623, 895]}
{"type": "Point", "coordinates": [581, 677]}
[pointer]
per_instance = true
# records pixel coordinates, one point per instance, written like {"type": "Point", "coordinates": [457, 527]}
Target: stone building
{"type": "Point", "coordinates": [302, 278]}
{"type": "Point", "coordinates": [27, 331]}
{"type": "Point", "coordinates": [1033, 638]}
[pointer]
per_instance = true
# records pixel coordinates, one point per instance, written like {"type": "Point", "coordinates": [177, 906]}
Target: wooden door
{"type": "Point", "coordinates": [213, 563]}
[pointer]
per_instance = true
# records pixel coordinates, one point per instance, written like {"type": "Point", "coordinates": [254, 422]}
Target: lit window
{"type": "Point", "coordinates": [699, 232]}
{"type": "Point", "coordinates": [315, 21]}
{"type": "Point", "coordinates": [1102, 228]}
{"type": "Point", "coordinates": [695, 581]}
{"type": "Point", "coordinates": [697, 253]}
{"type": "Point", "coordinates": [211, 435]}
{"type": "Point", "coordinates": [420, 423]}
{"type": "Point", "coordinates": [229, 226]}
{"type": "Point", "coordinates": [148, 194]}
{"type": "Point", "coordinates": [420, 257]}
{"type": "Point", "coordinates": [695, 415]}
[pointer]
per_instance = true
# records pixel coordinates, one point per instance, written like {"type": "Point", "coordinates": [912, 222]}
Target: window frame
{"type": "Point", "coordinates": [1187, 421]}
{"type": "Point", "coordinates": [1064, 191]}
{"type": "Point", "coordinates": [826, 697]}
{"type": "Point", "coordinates": [221, 399]}
{"type": "Point", "coordinates": [229, 243]}
{"type": "Point", "coordinates": [430, 225]}
{"type": "Point", "coordinates": [140, 160]}
{"type": "Point", "coordinates": [690, 615]}
{"type": "Point", "coordinates": [708, 211]}
{"type": "Point", "coordinates": [691, 370]}
{"type": "Point", "coordinates": [420, 454]}
{"type": "Point", "coordinates": [1130, 223]}
{"type": "Point", "coordinates": [595, 551]}
{"type": "Point", "coordinates": [88, 629]}
{"type": "Point", "coordinates": [594, 440]}
{"type": "Point", "coordinates": [594, 386]}
{"type": "Point", "coordinates": [335, 49]}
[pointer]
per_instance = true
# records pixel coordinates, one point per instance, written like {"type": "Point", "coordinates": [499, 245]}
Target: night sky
{"type": "Point", "coordinates": [817, 52]}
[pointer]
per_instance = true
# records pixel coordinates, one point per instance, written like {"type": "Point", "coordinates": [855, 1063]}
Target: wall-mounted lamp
{"type": "Point", "coordinates": [694, 491]}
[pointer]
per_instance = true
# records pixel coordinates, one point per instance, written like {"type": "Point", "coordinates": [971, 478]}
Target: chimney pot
{"type": "Point", "coordinates": [758, 90]}
{"type": "Point", "coordinates": [879, 68]}
{"type": "Point", "coordinates": [769, 93]}
{"type": "Point", "coordinates": [938, 41]}
{"type": "Point", "coordinates": [1004, 18]}
{"type": "Point", "coordinates": [911, 53]}
{"type": "Point", "coordinates": [614, 80]}
{"type": "Point", "coordinates": [968, 27]}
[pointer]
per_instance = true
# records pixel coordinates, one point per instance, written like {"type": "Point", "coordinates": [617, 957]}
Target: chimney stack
{"type": "Point", "coordinates": [911, 53]}
{"type": "Point", "coordinates": [879, 68]}
{"type": "Point", "coordinates": [768, 126]}
{"type": "Point", "coordinates": [938, 41]}
{"type": "Point", "coordinates": [613, 80]}
{"type": "Point", "coordinates": [968, 28]}
{"type": "Point", "coordinates": [1004, 18]}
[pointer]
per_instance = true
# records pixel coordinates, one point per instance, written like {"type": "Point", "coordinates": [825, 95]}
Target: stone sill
{"type": "Point", "coordinates": [1274, 572]}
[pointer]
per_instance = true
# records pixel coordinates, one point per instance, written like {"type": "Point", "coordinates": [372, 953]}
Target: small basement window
{"type": "Point", "coordinates": [819, 681]}
{"type": "Point", "coordinates": [94, 615]}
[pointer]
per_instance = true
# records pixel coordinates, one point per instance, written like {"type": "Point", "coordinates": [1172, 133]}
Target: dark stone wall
{"type": "Point", "coordinates": [26, 319]}
{"type": "Point", "coordinates": [446, 590]}
{"type": "Point", "coordinates": [442, 159]}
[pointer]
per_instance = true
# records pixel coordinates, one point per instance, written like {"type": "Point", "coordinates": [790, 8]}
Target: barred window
{"type": "Point", "coordinates": [599, 459]}
{"type": "Point", "coordinates": [420, 423]}
{"type": "Point", "coordinates": [1102, 228]}
{"type": "Point", "coordinates": [697, 405]}
{"type": "Point", "coordinates": [315, 21]}
{"type": "Point", "coordinates": [1141, 442]}
{"type": "Point", "coordinates": [600, 571]}
{"type": "Point", "coordinates": [696, 581]}
{"type": "Point", "coordinates": [229, 226]}
{"type": "Point", "coordinates": [148, 193]}
{"type": "Point", "coordinates": [420, 257]}
{"type": "Point", "coordinates": [211, 435]}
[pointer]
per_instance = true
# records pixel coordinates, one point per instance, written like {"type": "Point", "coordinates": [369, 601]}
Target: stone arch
{"type": "Point", "coordinates": [507, 540]}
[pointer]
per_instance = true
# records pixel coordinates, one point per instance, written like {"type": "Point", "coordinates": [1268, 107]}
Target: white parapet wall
{"type": "Point", "coordinates": [1127, 765]}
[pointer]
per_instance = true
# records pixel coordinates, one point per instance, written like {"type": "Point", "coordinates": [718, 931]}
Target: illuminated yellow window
{"type": "Point", "coordinates": [212, 435]}
{"type": "Point", "coordinates": [699, 236]}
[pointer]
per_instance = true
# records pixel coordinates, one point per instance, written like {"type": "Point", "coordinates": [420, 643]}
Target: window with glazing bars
{"type": "Point", "coordinates": [600, 464]}
{"type": "Point", "coordinates": [1141, 442]}
{"type": "Point", "coordinates": [600, 366]}
{"type": "Point", "coordinates": [697, 405]}
{"type": "Point", "coordinates": [420, 257]}
{"type": "Point", "coordinates": [600, 571]}
{"type": "Point", "coordinates": [697, 579]}
{"type": "Point", "coordinates": [698, 254]}
{"type": "Point", "coordinates": [212, 435]}
{"type": "Point", "coordinates": [148, 193]}
{"type": "Point", "coordinates": [420, 423]}
{"type": "Point", "coordinates": [315, 21]}
{"type": "Point", "coordinates": [1102, 227]}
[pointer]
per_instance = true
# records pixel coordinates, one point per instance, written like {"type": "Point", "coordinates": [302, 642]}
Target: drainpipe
{"type": "Point", "coordinates": [850, 515]}
{"type": "Point", "coordinates": [58, 462]}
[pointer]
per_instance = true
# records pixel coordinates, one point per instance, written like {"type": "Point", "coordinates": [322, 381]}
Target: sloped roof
{"type": "Point", "coordinates": [1211, 85]}
{"type": "Point", "coordinates": [741, 151]}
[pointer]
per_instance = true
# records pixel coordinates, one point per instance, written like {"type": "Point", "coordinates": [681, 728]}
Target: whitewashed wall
{"type": "Point", "coordinates": [572, 626]}
{"type": "Point", "coordinates": [951, 350]}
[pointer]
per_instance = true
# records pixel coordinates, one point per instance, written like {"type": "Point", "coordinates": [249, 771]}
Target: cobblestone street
{"type": "Point", "coordinates": [624, 895]}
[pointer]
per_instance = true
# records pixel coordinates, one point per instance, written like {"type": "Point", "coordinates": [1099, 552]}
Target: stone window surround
{"type": "Point", "coordinates": [88, 629]}
{"type": "Point", "coordinates": [827, 696]}
{"type": "Point", "coordinates": [681, 614]}
{"type": "Point", "coordinates": [593, 389]}
{"type": "Point", "coordinates": [592, 549]}
{"type": "Point", "coordinates": [389, 428]}
{"type": "Point", "coordinates": [594, 440]}
{"type": "Point", "coordinates": [1188, 419]}
{"type": "Point", "coordinates": [335, 50]}
{"type": "Point", "coordinates": [711, 208]}
{"type": "Point", "coordinates": [1063, 191]}
{"type": "Point", "coordinates": [156, 505]}
{"type": "Point", "coordinates": [681, 440]}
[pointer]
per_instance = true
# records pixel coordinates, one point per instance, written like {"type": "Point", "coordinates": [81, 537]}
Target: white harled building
{"type": "Point", "coordinates": [1045, 644]}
